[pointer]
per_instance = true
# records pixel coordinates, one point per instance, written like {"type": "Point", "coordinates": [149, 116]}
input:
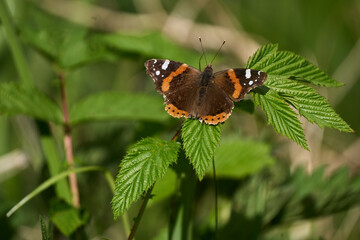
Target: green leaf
{"type": "Point", "coordinates": [283, 64]}
{"type": "Point", "coordinates": [118, 105]}
{"type": "Point", "coordinates": [65, 43]}
{"type": "Point", "coordinates": [66, 217]}
{"type": "Point", "coordinates": [152, 45]}
{"type": "Point", "coordinates": [238, 158]}
{"type": "Point", "coordinates": [16, 98]}
{"type": "Point", "coordinates": [261, 56]}
{"type": "Point", "coordinates": [280, 115]}
{"type": "Point", "coordinates": [200, 142]}
{"type": "Point", "coordinates": [311, 105]}
{"type": "Point", "coordinates": [144, 163]}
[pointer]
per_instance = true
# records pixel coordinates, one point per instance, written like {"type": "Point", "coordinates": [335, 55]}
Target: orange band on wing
{"type": "Point", "coordinates": [218, 118]}
{"type": "Point", "coordinates": [236, 82]}
{"type": "Point", "coordinates": [175, 112]}
{"type": "Point", "coordinates": [166, 83]}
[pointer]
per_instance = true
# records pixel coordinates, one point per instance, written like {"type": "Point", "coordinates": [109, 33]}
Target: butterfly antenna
{"type": "Point", "coordinates": [200, 61]}
{"type": "Point", "coordinates": [218, 52]}
{"type": "Point", "coordinates": [203, 54]}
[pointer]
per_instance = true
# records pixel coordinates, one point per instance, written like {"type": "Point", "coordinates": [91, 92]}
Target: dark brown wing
{"type": "Point", "coordinates": [213, 106]}
{"type": "Point", "coordinates": [239, 81]}
{"type": "Point", "coordinates": [178, 82]}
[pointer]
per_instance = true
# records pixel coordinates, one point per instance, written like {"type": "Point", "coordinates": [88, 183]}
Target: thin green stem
{"type": "Point", "coordinates": [216, 197]}
{"type": "Point", "coordinates": [140, 213]}
{"type": "Point", "coordinates": [14, 43]}
{"type": "Point", "coordinates": [53, 180]}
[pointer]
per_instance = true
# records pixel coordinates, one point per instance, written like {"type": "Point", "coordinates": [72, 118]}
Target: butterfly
{"type": "Point", "coordinates": [206, 95]}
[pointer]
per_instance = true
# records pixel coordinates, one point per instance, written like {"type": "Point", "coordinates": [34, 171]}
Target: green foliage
{"type": "Point", "coordinates": [264, 204]}
{"type": "Point", "coordinates": [144, 164]}
{"type": "Point", "coordinates": [153, 45]}
{"type": "Point", "coordinates": [165, 187]}
{"type": "Point", "coordinates": [284, 64]}
{"type": "Point", "coordinates": [314, 107]}
{"type": "Point", "coordinates": [67, 218]}
{"type": "Point", "coordinates": [285, 70]}
{"type": "Point", "coordinates": [236, 158]}
{"type": "Point", "coordinates": [17, 98]}
{"type": "Point", "coordinates": [281, 116]}
{"type": "Point", "coordinates": [65, 43]}
{"type": "Point", "coordinates": [200, 142]}
{"type": "Point", "coordinates": [46, 233]}
{"type": "Point", "coordinates": [118, 105]}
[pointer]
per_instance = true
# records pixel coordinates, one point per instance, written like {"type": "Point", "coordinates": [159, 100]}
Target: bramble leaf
{"type": "Point", "coordinates": [16, 98]}
{"type": "Point", "coordinates": [285, 70]}
{"type": "Point", "coordinates": [200, 142]}
{"type": "Point", "coordinates": [280, 115]}
{"type": "Point", "coordinates": [284, 64]}
{"type": "Point", "coordinates": [118, 105]}
{"type": "Point", "coordinates": [144, 163]}
{"type": "Point", "coordinates": [310, 104]}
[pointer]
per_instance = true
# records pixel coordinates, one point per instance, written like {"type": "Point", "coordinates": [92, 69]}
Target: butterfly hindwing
{"type": "Point", "coordinates": [212, 105]}
{"type": "Point", "coordinates": [237, 82]}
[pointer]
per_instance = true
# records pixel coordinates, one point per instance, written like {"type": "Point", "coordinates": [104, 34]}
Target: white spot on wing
{"type": "Point", "coordinates": [248, 73]}
{"type": "Point", "coordinates": [165, 64]}
{"type": "Point", "coordinates": [157, 73]}
{"type": "Point", "coordinates": [155, 61]}
{"type": "Point", "coordinates": [251, 82]}
{"type": "Point", "coordinates": [259, 73]}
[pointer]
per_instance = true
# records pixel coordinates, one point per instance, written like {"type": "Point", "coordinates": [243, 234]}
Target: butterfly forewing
{"type": "Point", "coordinates": [177, 82]}
{"type": "Point", "coordinates": [237, 82]}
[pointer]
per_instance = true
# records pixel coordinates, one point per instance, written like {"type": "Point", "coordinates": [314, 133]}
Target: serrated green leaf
{"type": "Point", "coordinates": [118, 105]}
{"type": "Point", "coordinates": [280, 115]}
{"type": "Point", "coordinates": [144, 163]}
{"type": "Point", "coordinates": [16, 98]}
{"type": "Point", "coordinates": [283, 64]}
{"type": "Point", "coordinates": [311, 105]}
{"type": "Point", "coordinates": [260, 57]}
{"type": "Point", "coordinates": [200, 142]}
{"type": "Point", "coordinates": [238, 158]}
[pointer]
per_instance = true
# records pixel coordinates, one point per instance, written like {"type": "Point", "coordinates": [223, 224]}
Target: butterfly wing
{"type": "Point", "coordinates": [213, 106]}
{"type": "Point", "coordinates": [178, 83]}
{"type": "Point", "coordinates": [239, 81]}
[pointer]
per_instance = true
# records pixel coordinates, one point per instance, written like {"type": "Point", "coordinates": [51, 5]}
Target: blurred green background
{"type": "Point", "coordinates": [281, 192]}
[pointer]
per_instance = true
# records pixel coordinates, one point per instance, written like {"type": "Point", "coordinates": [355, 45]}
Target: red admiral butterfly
{"type": "Point", "coordinates": [206, 96]}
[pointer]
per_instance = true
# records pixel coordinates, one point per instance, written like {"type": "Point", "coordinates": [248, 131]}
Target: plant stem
{"type": "Point", "coordinates": [68, 142]}
{"type": "Point", "coordinates": [140, 213]}
{"type": "Point", "coordinates": [146, 199]}
{"type": "Point", "coordinates": [216, 196]}
{"type": "Point", "coordinates": [15, 46]}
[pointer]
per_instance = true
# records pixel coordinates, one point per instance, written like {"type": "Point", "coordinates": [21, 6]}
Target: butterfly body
{"type": "Point", "coordinates": [206, 95]}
